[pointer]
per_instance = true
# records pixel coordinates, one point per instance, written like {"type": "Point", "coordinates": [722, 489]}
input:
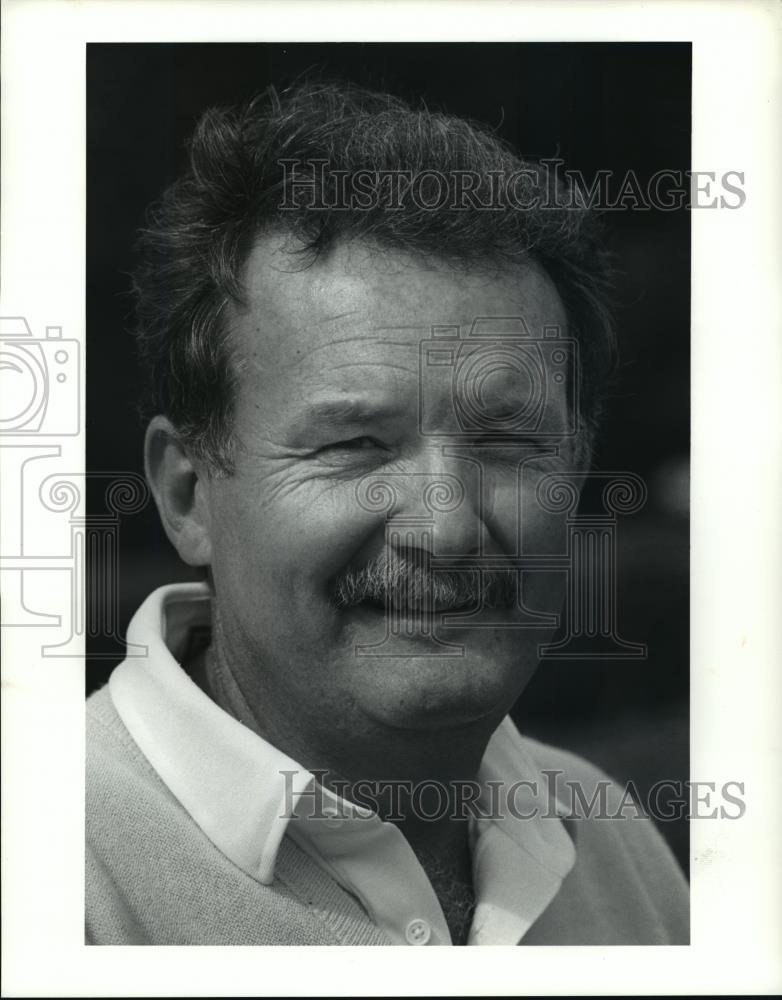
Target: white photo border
{"type": "Point", "coordinates": [736, 401]}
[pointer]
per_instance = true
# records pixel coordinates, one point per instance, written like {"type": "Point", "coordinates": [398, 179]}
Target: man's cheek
{"type": "Point", "coordinates": [517, 521]}
{"type": "Point", "coordinates": [328, 528]}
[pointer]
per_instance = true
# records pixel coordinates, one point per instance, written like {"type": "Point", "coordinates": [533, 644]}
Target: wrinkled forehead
{"type": "Point", "coordinates": [361, 314]}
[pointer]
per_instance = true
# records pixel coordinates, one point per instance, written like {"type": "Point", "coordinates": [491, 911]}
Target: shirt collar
{"type": "Point", "coordinates": [220, 771]}
{"type": "Point", "coordinates": [242, 792]}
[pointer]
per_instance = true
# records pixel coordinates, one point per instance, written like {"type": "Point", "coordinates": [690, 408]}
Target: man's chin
{"type": "Point", "coordinates": [433, 699]}
{"type": "Point", "coordinates": [414, 679]}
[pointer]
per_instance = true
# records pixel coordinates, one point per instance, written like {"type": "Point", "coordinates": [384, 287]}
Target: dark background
{"type": "Point", "coordinates": [616, 106]}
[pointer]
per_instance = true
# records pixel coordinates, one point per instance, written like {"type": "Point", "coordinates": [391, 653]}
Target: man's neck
{"type": "Point", "coordinates": [449, 870]}
{"type": "Point", "coordinates": [415, 779]}
{"type": "Point", "coordinates": [421, 785]}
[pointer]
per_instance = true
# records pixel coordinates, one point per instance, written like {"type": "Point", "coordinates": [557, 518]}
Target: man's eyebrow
{"type": "Point", "coordinates": [343, 411]}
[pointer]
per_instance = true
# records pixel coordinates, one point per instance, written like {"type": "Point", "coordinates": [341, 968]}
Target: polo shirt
{"type": "Point", "coordinates": [199, 831]}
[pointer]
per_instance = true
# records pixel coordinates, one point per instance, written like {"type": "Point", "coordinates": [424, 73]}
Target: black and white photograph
{"type": "Point", "coordinates": [363, 522]}
{"type": "Point", "coordinates": [412, 353]}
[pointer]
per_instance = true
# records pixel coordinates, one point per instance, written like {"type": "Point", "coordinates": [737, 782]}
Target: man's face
{"type": "Point", "coordinates": [329, 413]}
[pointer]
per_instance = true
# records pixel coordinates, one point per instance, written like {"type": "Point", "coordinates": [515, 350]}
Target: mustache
{"type": "Point", "coordinates": [410, 583]}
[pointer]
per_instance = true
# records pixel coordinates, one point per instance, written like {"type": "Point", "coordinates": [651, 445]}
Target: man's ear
{"type": "Point", "coordinates": [178, 487]}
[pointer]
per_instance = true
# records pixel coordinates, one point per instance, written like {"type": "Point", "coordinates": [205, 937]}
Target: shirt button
{"type": "Point", "coordinates": [418, 932]}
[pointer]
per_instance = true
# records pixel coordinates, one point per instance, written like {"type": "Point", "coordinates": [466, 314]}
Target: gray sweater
{"type": "Point", "coordinates": [153, 877]}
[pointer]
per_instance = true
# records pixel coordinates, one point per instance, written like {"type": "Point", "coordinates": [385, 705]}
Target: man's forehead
{"type": "Point", "coordinates": [363, 301]}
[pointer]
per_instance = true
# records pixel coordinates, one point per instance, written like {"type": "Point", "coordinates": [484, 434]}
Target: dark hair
{"type": "Point", "coordinates": [239, 182]}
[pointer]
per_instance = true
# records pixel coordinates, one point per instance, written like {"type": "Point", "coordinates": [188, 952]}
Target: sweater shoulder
{"type": "Point", "coordinates": [115, 767]}
{"type": "Point", "coordinates": [107, 738]}
{"type": "Point", "coordinates": [102, 717]}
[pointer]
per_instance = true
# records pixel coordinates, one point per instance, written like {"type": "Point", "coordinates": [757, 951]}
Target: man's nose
{"type": "Point", "coordinates": [442, 507]}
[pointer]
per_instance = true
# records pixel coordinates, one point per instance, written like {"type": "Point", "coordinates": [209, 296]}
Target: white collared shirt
{"type": "Point", "coordinates": [246, 795]}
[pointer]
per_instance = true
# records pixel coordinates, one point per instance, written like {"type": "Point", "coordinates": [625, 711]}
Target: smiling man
{"type": "Point", "coordinates": [375, 341]}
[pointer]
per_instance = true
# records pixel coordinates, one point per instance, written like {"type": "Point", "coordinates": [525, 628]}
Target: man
{"type": "Point", "coordinates": [375, 342]}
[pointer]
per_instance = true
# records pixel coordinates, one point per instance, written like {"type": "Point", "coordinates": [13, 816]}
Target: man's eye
{"type": "Point", "coordinates": [352, 444]}
{"type": "Point", "coordinates": [357, 449]}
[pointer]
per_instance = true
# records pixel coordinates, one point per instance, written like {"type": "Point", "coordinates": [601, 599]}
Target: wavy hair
{"type": "Point", "coordinates": [238, 182]}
